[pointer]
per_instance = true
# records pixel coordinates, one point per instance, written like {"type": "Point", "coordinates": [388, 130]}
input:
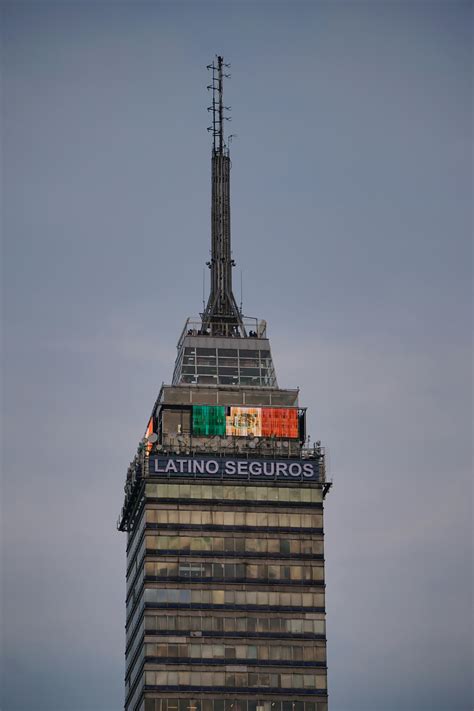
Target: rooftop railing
{"type": "Point", "coordinates": [254, 328]}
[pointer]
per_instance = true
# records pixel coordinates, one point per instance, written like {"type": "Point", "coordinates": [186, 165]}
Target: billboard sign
{"type": "Point", "coordinates": [208, 420]}
{"type": "Point", "coordinates": [233, 468]}
{"type": "Point", "coordinates": [244, 421]}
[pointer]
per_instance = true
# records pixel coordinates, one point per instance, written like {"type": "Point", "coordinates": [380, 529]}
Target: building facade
{"type": "Point", "coordinates": [223, 513]}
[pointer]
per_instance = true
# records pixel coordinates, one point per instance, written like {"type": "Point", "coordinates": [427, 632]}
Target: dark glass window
{"type": "Point", "coordinates": [188, 379]}
{"type": "Point", "coordinates": [249, 363]}
{"type": "Point", "coordinates": [206, 361]}
{"type": "Point", "coordinates": [227, 352]}
{"type": "Point", "coordinates": [207, 379]}
{"type": "Point", "coordinates": [227, 371]}
{"type": "Point", "coordinates": [228, 362]}
{"type": "Point", "coordinates": [250, 380]}
{"type": "Point", "coordinates": [206, 352]}
{"type": "Point", "coordinates": [248, 354]}
{"type": "Point", "coordinates": [249, 371]}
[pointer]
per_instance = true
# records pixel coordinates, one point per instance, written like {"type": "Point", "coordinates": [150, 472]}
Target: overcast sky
{"type": "Point", "coordinates": [351, 218]}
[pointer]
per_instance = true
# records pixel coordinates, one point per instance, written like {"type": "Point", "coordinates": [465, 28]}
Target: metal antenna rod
{"type": "Point", "coordinates": [221, 315]}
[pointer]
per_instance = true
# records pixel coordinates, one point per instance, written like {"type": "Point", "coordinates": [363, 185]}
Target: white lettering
{"type": "Point", "coordinates": [255, 468]}
{"type": "Point", "coordinates": [171, 467]}
{"type": "Point", "coordinates": [181, 463]}
{"type": "Point", "coordinates": [269, 468]}
{"type": "Point", "coordinates": [295, 469]}
{"type": "Point", "coordinates": [242, 467]}
{"type": "Point", "coordinates": [198, 466]}
{"type": "Point", "coordinates": [157, 468]}
{"type": "Point", "coordinates": [230, 467]}
{"type": "Point", "coordinates": [308, 470]}
{"type": "Point", "coordinates": [212, 467]}
{"type": "Point", "coordinates": [281, 469]}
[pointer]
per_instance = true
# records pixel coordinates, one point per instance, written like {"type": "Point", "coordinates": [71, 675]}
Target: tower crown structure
{"type": "Point", "coordinates": [223, 511]}
{"type": "Point", "coordinates": [222, 325]}
{"type": "Point", "coordinates": [221, 315]}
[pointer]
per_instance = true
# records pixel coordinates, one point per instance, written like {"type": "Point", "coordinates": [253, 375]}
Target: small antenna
{"type": "Point", "coordinates": [217, 108]}
{"type": "Point", "coordinates": [203, 289]}
{"type": "Point", "coordinates": [241, 291]}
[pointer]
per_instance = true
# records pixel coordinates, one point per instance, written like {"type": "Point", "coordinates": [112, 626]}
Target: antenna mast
{"type": "Point", "coordinates": [221, 315]}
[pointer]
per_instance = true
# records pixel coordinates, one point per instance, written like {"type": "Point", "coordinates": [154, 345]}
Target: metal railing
{"type": "Point", "coordinates": [254, 328]}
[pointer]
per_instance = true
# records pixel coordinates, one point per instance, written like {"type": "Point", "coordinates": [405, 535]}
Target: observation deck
{"type": "Point", "coordinates": [225, 354]}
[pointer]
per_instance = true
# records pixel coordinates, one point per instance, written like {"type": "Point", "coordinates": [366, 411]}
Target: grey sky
{"type": "Point", "coordinates": [351, 200]}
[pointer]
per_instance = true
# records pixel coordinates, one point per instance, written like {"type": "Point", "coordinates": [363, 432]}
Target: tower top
{"type": "Point", "coordinates": [221, 316]}
{"type": "Point", "coordinates": [217, 108]}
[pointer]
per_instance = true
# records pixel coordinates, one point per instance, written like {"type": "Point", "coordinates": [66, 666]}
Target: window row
{"type": "Point", "coordinates": [252, 598]}
{"type": "Point", "coordinates": [231, 571]}
{"type": "Point", "coordinates": [231, 544]}
{"type": "Point", "coordinates": [133, 538]}
{"type": "Point", "coordinates": [239, 652]}
{"type": "Point", "coordinates": [232, 492]}
{"type": "Point", "coordinates": [267, 378]}
{"type": "Point", "coordinates": [232, 705]}
{"type": "Point", "coordinates": [243, 625]}
{"type": "Point", "coordinates": [257, 679]}
{"type": "Point", "coordinates": [261, 519]}
{"type": "Point", "coordinates": [191, 352]}
{"type": "Point", "coordinates": [226, 368]}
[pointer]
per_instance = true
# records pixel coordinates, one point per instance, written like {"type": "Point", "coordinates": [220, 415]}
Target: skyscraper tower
{"type": "Point", "coordinates": [224, 515]}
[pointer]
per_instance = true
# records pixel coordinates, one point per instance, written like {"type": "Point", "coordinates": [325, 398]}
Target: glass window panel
{"type": "Point", "coordinates": [295, 547]}
{"type": "Point", "coordinates": [251, 545]}
{"type": "Point", "coordinates": [297, 681]}
{"type": "Point", "coordinates": [230, 652]}
{"type": "Point", "coordinates": [298, 654]}
{"type": "Point", "coordinates": [228, 363]}
{"type": "Point", "coordinates": [207, 379]}
{"type": "Point", "coordinates": [252, 571]}
{"type": "Point", "coordinates": [274, 572]}
{"type": "Point", "coordinates": [273, 545]}
{"type": "Point", "coordinates": [228, 371]}
{"type": "Point", "coordinates": [218, 624]}
{"type": "Point", "coordinates": [239, 545]}
{"type": "Point", "coordinates": [204, 361]}
{"type": "Point", "coordinates": [240, 624]}
{"type": "Point", "coordinates": [229, 624]}
{"type": "Point", "coordinates": [240, 570]}
{"type": "Point", "coordinates": [248, 371]}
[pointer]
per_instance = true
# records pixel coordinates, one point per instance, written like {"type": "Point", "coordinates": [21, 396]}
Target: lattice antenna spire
{"type": "Point", "coordinates": [221, 315]}
{"type": "Point", "coordinates": [217, 107]}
